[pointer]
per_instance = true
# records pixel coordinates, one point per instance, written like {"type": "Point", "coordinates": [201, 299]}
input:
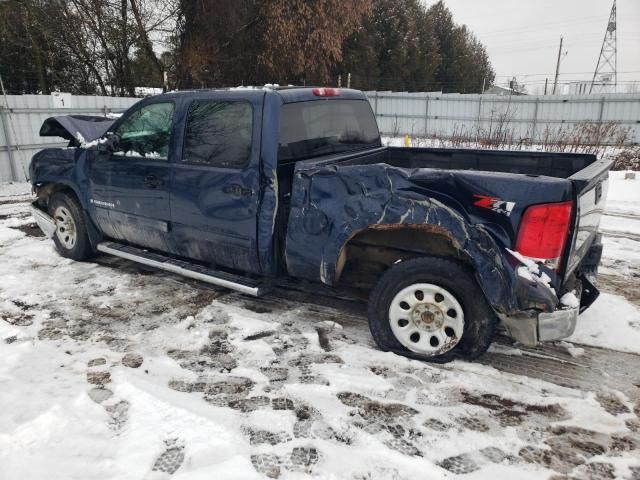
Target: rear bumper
{"type": "Point", "coordinates": [557, 325]}
{"type": "Point", "coordinates": [529, 328]}
{"type": "Point", "coordinates": [532, 326]}
{"type": "Point", "coordinates": [44, 221]}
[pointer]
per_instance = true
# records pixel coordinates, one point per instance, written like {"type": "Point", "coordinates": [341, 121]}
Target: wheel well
{"type": "Point", "coordinates": [45, 191]}
{"type": "Point", "coordinates": [367, 254]}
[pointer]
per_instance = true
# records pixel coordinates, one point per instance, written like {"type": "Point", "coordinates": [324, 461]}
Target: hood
{"type": "Point", "coordinates": [77, 128]}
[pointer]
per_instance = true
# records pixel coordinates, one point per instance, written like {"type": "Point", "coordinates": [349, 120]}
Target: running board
{"type": "Point", "coordinates": [186, 269]}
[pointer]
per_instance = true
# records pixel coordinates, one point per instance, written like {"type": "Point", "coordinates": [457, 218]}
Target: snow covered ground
{"type": "Point", "coordinates": [624, 195]}
{"type": "Point", "coordinates": [614, 321]}
{"type": "Point", "coordinates": [12, 190]}
{"type": "Point", "coordinates": [113, 371]}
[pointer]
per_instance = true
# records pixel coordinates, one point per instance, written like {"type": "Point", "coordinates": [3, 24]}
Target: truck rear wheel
{"type": "Point", "coordinates": [431, 309]}
{"type": "Point", "coordinates": [70, 237]}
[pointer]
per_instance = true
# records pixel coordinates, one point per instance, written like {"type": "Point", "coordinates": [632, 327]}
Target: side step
{"type": "Point", "coordinates": [186, 269]}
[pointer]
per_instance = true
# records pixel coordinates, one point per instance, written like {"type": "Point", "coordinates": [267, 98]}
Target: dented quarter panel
{"type": "Point", "coordinates": [332, 202]}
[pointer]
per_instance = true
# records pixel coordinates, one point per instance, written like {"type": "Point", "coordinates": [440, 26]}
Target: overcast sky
{"type": "Point", "coordinates": [522, 36]}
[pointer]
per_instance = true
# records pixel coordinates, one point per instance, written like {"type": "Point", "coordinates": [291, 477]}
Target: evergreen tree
{"type": "Point", "coordinates": [464, 63]}
{"type": "Point", "coordinates": [404, 46]}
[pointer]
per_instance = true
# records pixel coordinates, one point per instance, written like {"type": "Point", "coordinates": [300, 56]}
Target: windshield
{"type": "Point", "coordinates": [311, 129]}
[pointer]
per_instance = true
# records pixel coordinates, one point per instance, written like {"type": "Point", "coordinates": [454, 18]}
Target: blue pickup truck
{"type": "Point", "coordinates": [251, 188]}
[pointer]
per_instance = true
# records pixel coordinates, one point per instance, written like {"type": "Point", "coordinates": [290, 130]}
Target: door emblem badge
{"type": "Point", "coordinates": [100, 203]}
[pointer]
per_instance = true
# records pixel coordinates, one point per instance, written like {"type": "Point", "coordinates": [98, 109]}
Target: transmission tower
{"type": "Point", "coordinates": [606, 70]}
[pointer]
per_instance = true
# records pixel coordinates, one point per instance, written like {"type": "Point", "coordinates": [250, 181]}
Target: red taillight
{"type": "Point", "coordinates": [544, 231]}
{"type": "Point", "coordinates": [326, 92]}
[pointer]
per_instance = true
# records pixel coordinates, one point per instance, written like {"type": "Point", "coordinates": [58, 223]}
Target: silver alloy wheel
{"type": "Point", "coordinates": [65, 227]}
{"type": "Point", "coordinates": [426, 319]}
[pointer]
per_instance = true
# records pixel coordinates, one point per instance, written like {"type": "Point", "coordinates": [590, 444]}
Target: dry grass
{"type": "Point", "coordinates": [601, 139]}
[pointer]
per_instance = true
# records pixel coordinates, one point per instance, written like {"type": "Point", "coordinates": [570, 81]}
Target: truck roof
{"type": "Point", "coordinates": [288, 93]}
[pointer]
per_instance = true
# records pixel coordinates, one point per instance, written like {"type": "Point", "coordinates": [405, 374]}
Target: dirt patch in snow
{"type": "Point", "coordinates": [628, 287]}
{"type": "Point", "coordinates": [11, 201]}
{"type": "Point", "coordinates": [30, 230]}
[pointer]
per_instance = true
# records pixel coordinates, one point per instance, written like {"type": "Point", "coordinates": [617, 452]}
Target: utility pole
{"type": "Point", "coordinates": [546, 84]}
{"type": "Point", "coordinates": [5, 128]}
{"type": "Point", "coordinates": [555, 83]}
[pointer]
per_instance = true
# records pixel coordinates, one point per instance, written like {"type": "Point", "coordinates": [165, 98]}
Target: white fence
{"type": "Point", "coordinates": [21, 117]}
{"type": "Point", "coordinates": [527, 117]}
{"type": "Point", "coordinates": [416, 114]}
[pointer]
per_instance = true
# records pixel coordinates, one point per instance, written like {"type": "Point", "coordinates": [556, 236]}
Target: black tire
{"type": "Point", "coordinates": [81, 248]}
{"type": "Point", "coordinates": [480, 321]}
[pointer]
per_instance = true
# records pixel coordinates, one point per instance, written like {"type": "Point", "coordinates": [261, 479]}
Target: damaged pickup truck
{"type": "Point", "coordinates": [252, 188]}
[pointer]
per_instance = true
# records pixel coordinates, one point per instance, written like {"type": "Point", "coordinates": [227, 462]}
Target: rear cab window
{"type": "Point", "coordinates": [322, 127]}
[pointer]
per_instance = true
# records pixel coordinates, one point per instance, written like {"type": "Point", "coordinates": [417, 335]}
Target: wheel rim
{"type": "Point", "coordinates": [426, 319]}
{"type": "Point", "coordinates": [65, 227]}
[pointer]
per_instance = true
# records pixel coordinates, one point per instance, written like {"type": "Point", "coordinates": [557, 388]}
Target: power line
{"type": "Point", "coordinates": [542, 47]}
{"type": "Point", "coordinates": [545, 26]}
{"type": "Point", "coordinates": [551, 73]}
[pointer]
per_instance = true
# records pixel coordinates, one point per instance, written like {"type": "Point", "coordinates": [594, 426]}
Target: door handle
{"type": "Point", "coordinates": [152, 181]}
{"type": "Point", "coordinates": [236, 190]}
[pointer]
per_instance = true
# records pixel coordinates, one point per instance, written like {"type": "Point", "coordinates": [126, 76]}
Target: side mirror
{"type": "Point", "coordinates": [109, 144]}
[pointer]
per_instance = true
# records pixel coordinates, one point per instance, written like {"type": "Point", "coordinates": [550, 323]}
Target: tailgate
{"type": "Point", "coordinates": [590, 186]}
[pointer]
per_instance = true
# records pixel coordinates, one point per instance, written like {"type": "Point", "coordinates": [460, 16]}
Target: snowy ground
{"type": "Point", "coordinates": [114, 371]}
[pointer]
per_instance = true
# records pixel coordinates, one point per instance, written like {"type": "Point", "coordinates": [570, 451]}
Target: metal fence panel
{"type": "Point", "coordinates": [527, 117]}
{"type": "Point", "coordinates": [21, 117]}
{"type": "Point", "coordinates": [398, 113]}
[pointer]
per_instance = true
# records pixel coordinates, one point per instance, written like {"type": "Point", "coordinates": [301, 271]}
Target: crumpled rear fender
{"type": "Point", "coordinates": [331, 204]}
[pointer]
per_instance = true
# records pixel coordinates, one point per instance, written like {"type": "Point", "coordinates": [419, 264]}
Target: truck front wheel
{"type": "Point", "coordinates": [431, 309]}
{"type": "Point", "coordinates": [70, 237]}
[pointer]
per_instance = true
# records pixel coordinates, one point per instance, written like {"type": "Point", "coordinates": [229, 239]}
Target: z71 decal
{"type": "Point", "coordinates": [495, 204]}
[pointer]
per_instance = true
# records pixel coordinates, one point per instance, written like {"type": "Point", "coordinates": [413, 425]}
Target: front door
{"type": "Point", "coordinates": [215, 184]}
{"type": "Point", "coordinates": [97, 180]}
{"type": "Point", "coordinates": [139, 178]}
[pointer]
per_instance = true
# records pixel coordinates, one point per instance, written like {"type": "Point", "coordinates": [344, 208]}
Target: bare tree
{"type": "Point", "coordinates": [102, 42]}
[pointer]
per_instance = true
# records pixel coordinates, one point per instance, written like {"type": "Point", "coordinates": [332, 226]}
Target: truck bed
{"type": "Point", "coordinates": [559, 165]}
{"type": "Point", "coordinates": [519, 178]}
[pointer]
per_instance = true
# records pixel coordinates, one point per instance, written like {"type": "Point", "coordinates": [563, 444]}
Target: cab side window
{"type": "Point", "coordinates": [146, 132]}
{"type": "Point", "coordinates": [219, 133]}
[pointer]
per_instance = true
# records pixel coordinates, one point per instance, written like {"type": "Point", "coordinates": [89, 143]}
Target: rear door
{"type": "Point", "coordinates": [215, 185]}
{"type": "Point", "coordinates": [139, 177]}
